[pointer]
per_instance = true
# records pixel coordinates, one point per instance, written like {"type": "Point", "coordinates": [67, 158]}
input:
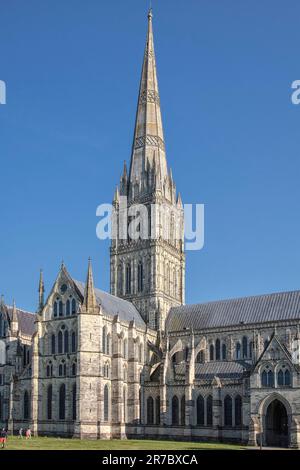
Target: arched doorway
{"type": "Point", "coordinates": [277, 429]}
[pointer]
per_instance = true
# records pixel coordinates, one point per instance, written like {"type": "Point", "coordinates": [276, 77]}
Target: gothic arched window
{"type": "Point", "coordinates": [66, 341]}
{"type": "Point", "coordinates": [60, 342]}
{"type": "Point", "coordinates": [55, 309]}
{"type": "Point", "coordinates": [26, 405]}
{"type": "Point", "coordinates": [228, 411]}
{"type": "Point", "coordinates": [218, 350]}
{"type": "Point", "coordinates": [224, 352]}
{"type": "Point", "coordinates": [251, 346]}
{"type": "Point", "coordinates": [128, 279]}
{"type": "Point", "coordinates": [150, 410]}
{"type": "Point", "coordinates": [200, 410]}
{"type": "Point", "coordinates": [157, 410]}
{"type": "Point", "coordinates": [49, 402]}
{"type": "Point", "coordinates": [211, 352]}
{"type": "Point", "coordinates": [108, 344]}
{"type": "Point", "coordinates": [287, 378]}
{"type": "Point", "coordinates": [182, 411]}
{"type": "Point", "coordinates": [106, 403]}
{"type": "Point", "coordinates": [209, 411]}
{"type": "Point", "coordinates": [74, 402]}
{"type": "Point", "coordinates": [140, 277]}
{"type": "Point", "coordinates": [73, 306]}
{"type": "Point", "coordinates": [175, 411]}
{"type": "Point", "coordinates": [200, 357]}
{"type": "Point", "coordinates": [62, 402]}
{"type": "Point", "coordinates": [73, 342]}
{"type": "Point", "coordinates": [60, 308]}
{"type": "Point", "coordinates": [245, 346]}
{"type": "Point", "coordinates": [68, 307]}
{"type": "Point", "coordinates": [238, 410]}
{"type": "Point", "coordinates": [238, 350]}
{"type": "Point", "coordinates": [74, 368]}
{"type": "Point", "coordinates": [283, 378]}
{"type": "Point", "coordinates": [53, 344]}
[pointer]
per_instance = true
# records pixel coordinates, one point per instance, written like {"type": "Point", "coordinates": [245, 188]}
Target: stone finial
{"type": "Point", "coordinates": [41, 291]}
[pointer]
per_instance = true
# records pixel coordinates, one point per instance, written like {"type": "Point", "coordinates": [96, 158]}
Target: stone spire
{"type": "Point", "coordinates": [41, 291]}
{"type": "Point", "coordinates": [14, 326]}
{"type": "Point", "coordinates": [148, 144]}
{"type": "Point", "coordinates": [89, 301]}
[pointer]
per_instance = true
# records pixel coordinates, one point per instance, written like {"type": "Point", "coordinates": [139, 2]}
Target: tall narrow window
{"type": "Point", "coordinates": [26, 405]}
{"type": "Point", "coordinates": [287, 378]}
{"type": "Point", "coordinates": [200, 410]}
{"type": "Point", "coordinates": [245, 346]}
{"type": "Point", "coordinates": [104, 333]}
{"type": "Point", "coordinates": [209, 411]}
{"type": "Point", "coordinates": [55, 309]}
{"type": "Point", "coordinates": [228, 411]}
{"type": "Point", "coordinates": [68, 307]}
{"type": "Point", "coordinates": [128, 279]}
{"type": "Point", "coordinates": [73, 340]}
{"type": "Point", "coordinates": [175, 411]}
{"type": "Point", "coordinates": [66, 341]}
{"type": "Point", "coordinates": [211, 352]}
{"type": "Point", "coordinates": [60, 342]}
{"type": "Point", "coordinates": [53, 344]}
{"type": "Point", "coordinates": [1, 408]}
{"type": "Point", "coordinates": [224, 352]}
{"type": "Point", "coordinates": [251, 349]}
{"type": "Point", "coordinates": [238, 410]}
{"type": "Point", "coordinates": [62, 402]}
{"type": "Point", "coordinates": [49, 402]}
{"type": "Point", "coordinates": [106, 403]}
{"type": "Point", "coordinates": [218, 350]}
{"type": "Point", "coordinates": [157, 410]}
{"type": "Point", "coordinates": [74, 402]}
{"type": "Point", "coordinates": [108, 344]}
{"type": "Point", "coordinates": [73, 306]}
{"type": "Point", "coordinates": [150, 410]}
{"type": "Point", "coordinates": [280, 378]}
{"type": "Point", "coordinates": [140, 277]}
{"type": "Point", "coordinates": [182, 411]}
{"type": "Point", "coordinates": [60, 308]}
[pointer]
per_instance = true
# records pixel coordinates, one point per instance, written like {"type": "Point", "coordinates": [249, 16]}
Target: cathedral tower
{"type": "Point", "coordinates": [148, 270]}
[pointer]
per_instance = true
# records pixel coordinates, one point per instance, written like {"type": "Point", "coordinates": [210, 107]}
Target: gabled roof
{"type": "Point", "coordinates": [113, 305]}
{"type": "Point", "coordinates": [233, 312]}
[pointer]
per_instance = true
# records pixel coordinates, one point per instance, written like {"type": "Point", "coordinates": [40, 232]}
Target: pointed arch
{"type": "Point", "coordinates": [228, 411]}
{"type": "Point", "coordinates": [26, 406]}
{"type": "Point", "coordinates": [106, 403]}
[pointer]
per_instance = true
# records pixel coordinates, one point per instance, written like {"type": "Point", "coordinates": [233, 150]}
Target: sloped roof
{"type": "Point", "coordinates": [25, 320]}
{"type": "Point", "coordinates": [223, 370]}
{"type": "Point", "coordinates": [231, 312]}
{"type": "Point", "coordinates": [113, 305]}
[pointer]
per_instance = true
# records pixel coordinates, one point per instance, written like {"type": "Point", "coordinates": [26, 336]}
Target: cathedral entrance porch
{"type": "Point", "coordinates": [276, 425]}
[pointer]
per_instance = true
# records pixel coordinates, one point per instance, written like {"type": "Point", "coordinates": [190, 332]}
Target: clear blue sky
{"type": "Point", "coordinates": [72, 70]}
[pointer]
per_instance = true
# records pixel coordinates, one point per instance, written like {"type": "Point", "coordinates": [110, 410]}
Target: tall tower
{"type": "Point", "coordinates": [148, 270]}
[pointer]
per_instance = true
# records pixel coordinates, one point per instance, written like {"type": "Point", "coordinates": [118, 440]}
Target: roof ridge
{"type": "Point", "coordinates": [230, 299]}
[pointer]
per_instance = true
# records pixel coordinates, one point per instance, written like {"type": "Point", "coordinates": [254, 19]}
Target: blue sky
{"type": "Point", "coordinates": [72, 70]}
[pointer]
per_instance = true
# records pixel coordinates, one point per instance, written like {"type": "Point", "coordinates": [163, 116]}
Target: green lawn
{"type": "Point", "coordinates": [45, 443]}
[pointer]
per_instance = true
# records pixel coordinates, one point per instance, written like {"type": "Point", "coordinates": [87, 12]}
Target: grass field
{"type": "Point", "coordinates": [45, 443]}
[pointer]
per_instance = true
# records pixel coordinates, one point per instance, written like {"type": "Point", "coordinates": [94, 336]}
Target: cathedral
{"type": "Point", "coordinates": [137, 362]}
